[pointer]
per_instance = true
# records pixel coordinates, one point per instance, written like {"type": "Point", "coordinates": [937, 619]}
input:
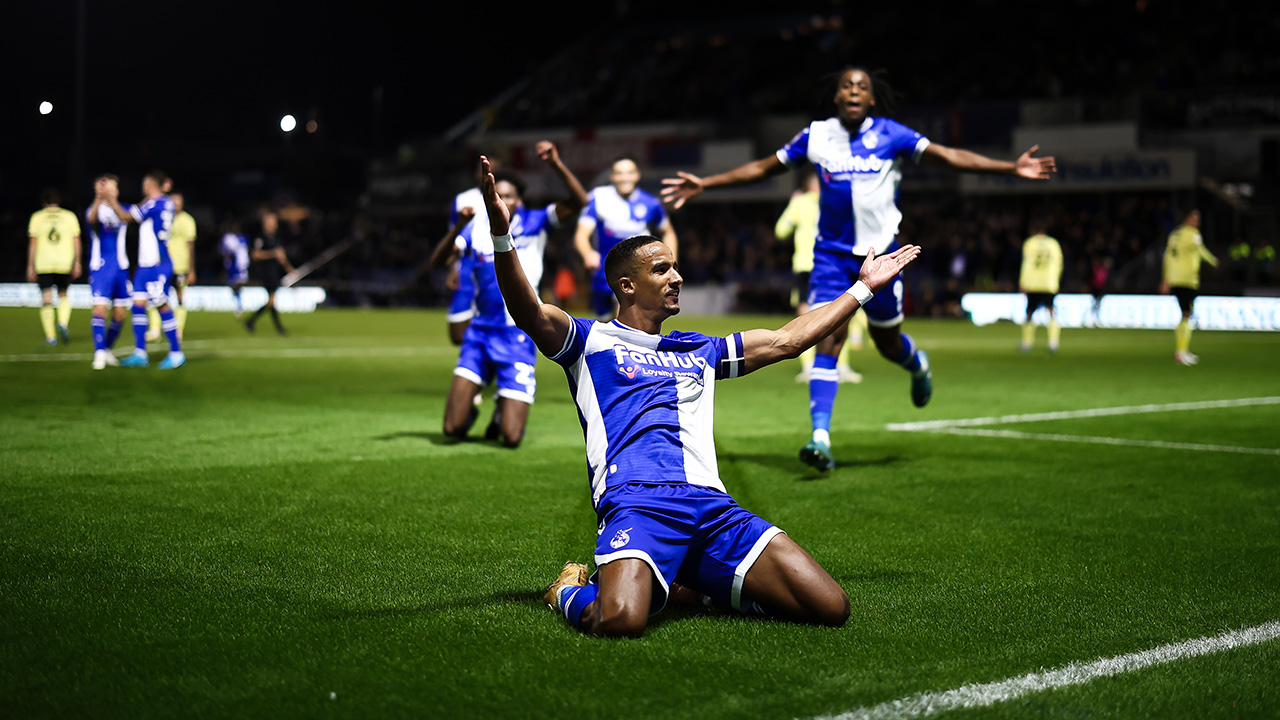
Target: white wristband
{"type": "Point", "coordinates": [861, 293]}
{"type": "Point", "coordinates": [502, 243]}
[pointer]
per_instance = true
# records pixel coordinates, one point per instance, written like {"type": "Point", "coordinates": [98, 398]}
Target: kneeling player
{"type": "Point", "coordinates": [646, 402]}
{"type": "Point", "coordinates": [492, 347]}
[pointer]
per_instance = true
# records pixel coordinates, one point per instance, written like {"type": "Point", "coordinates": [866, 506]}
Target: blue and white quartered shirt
{"type": "Point", "coordinates": [860, 174]}
{"type": "Point", "coordinates": [155, 220]}
{"type": "Point", "coordinates": [529, 234]}
{"type": "Point", "coordinates": [647, 402]}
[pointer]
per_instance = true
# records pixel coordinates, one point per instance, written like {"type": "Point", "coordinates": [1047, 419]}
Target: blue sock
{"type": "Point", "coordinates": [99, 332]}
{"type": "Point", "coordinates": [170, 326]}
{"type": "Point", "coordinates": [113, 332]}
{"type": "Point", "coordinates": [909, 358]}
{"type": "Point", "coordinates": [823, 383]}
{"type": "Point", "coordinates": [140, 329]}
{"type": "Point", "coordinates": [573, 600]}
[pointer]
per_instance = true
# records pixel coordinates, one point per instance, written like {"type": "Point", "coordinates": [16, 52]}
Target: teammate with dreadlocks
{"type": "Point", "coordinates": [858, 155]}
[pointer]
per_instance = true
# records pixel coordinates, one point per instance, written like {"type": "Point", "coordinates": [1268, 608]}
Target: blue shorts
{"type": "Point", "coordinates": [834, 273]}
{"type": "Point", "coordinates": [152, 284]}
{"type": "Point", "coordinates": [505, 353]}
{"type": "Point", "coordinates": [236, 275]}
{"type": "Point", "coordinates": [111, 286]}
{"type": "Point", "coordinates": [697, 536]}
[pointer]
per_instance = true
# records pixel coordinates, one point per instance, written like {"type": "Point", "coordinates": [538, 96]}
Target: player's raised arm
{"type": "Point", "coordinates": [547, 325]}
{"type": "Point", "coordinates": [1026, 166]}
{"type": "Point", "coordinates": [680, 190]}
{"type": "Point", "coordinates": [577, 199]}
{"type": "Point", "coordinates": [446, 250]}
{"type": "Point", "coordinates": [765, 347]}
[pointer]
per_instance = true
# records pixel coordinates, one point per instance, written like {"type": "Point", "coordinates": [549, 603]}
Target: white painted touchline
{"type": "Point", "coordinates": [982, 695]}
{"type": "Point", "coordinates": [1109, 441]}
{"type": "Point", "coordinates": [1071, 414]}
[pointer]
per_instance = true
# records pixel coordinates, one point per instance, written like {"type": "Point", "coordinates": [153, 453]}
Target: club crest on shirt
{"type": "Point", "coordinates": [620, 539]}
{"type": "Point", "coordinates": [658, 363]}
{"type": "Point", "coordinates": [870, 139]}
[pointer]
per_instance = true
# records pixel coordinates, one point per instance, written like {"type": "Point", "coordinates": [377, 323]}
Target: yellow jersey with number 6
{"type": "Point", "coordinates": [1041, 265]}
{"type": "Point", "coordinates": [55, 230]}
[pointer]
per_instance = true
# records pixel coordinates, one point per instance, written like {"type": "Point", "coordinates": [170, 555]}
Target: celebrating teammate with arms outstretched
{"type": "Point", "coordinates": [646, 402]}
{"type": "Point", "coordinates": [858, 157]}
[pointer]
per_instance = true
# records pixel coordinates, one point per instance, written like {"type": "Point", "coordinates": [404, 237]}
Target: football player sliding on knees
{"type": "Point", "coordinates": [666, 524]}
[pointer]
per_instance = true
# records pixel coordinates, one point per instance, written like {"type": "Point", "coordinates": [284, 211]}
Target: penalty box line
{"type": "Point", "coordinates": [985, 694]}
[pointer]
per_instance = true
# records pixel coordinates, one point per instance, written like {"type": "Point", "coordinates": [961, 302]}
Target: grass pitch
{"type": "Point", "coordinates": [279, 529]}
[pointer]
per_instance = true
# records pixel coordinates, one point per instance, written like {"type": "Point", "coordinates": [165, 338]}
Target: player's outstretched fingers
{"type": "Point", "coordinates": [787, 580]}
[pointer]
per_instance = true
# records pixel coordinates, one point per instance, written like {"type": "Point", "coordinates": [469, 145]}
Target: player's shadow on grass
{"type": "Point", "coordinates": [791, 465]}
{"type": "Point", "coordinates": [435, 438]}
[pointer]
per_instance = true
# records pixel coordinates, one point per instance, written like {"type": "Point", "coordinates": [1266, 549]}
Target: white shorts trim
{"type": "Point", "coordinates": [523, 397]}
{"type": "Point", "coordinates": [638, 555]}
{"type": "Point", "coordinates": [466, 374]}
{"type": "Point", "coordinates": [886, 323]}
{"type": "Point", "coordinates": [740, 573]}
{"type": "Point", "coordinates": [460, 316]}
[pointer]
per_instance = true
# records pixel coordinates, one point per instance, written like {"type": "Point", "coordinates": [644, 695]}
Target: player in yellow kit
{"type": "Point", "coordinates": [1040, 277]}
{"type": "Point", "coordinates": [799, 221]}
{"type": "Point", "coordinates": [1182, 258]}
{"type": "Point", "coordinates": [182, 251]}
{"type": "Point", "coordinates": [53, 260]}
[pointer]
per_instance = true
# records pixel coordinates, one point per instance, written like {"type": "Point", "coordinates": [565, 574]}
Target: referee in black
{"type": "Point", "coordinates": [270, 264]}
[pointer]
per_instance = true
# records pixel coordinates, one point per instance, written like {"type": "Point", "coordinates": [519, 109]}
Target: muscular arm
{"type": "Point", "coordinates": [960, 160]}
{"type": "Point", "coordinates": [547, 325]}
{"type": "Point", "coordinates": [765, 347]}
{"type": "Point", "coordinates": [684, 188]}
{"type": "Point", "coordinates": [93, 211]}
{"type": "Point", "coordinates": [577, 195]}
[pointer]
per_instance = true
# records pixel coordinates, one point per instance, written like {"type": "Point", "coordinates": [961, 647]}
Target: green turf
{"type": "Point", "coordinates": [281, 520]}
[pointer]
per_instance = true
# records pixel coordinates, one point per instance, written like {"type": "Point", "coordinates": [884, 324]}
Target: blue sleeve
{"type": "Point", "coordinates": [453, 212]}
{"type": "Point", "coordinates": [731, 362]}
{"type": "Point", "coordinates": [796, 152]}
{"type": "Point", "coordinates": [906, 142]}
{"type": "Point", "coordinates": [657, 213]}
{"type": "Point", "coordinates": [575, 342]}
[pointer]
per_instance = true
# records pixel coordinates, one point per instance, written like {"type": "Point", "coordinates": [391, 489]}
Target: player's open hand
{"type": "Point", "coordinates": [591, 260]}
{"type": "Point", "coordinates": [680, 190]}
{"type": "Point", "coordinates": [878, 271]}
{"type": "Point", "coordinates": [1034, 168]}
{"type": "Point", "coordinates": [499, 213]}
{"type": "Point", "coordinates": [547, 153]}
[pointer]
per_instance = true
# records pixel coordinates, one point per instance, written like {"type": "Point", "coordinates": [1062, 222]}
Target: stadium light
{"type": "Point", "coordinates": [288, 123]}
{"type": "Point", "coordinates": [46, 107]}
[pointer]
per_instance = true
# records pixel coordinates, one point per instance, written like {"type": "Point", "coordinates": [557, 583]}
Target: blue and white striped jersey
{"type": "Point", "coordinates": [529, 233]}
{"type": "Point", "coordinates": [155, 219]}
{"type": "Point", "coordinates": [647, 402]}
{"type": "Point", "coordinates": [860, 175]}
{"type": "Point", "coordinates": [616, 218]}
{"type": "Point", "coordinates": [106, 238]}
{"type": "Point", "coordinates": [473, 199]}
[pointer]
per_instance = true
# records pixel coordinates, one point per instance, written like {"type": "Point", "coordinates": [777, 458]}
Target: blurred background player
{"type": "Point", "coordinates": [108, 271]}
{"type": "Point", "coordinates": [154, 216]}
{"type": "Point", "coordinates": [1039, 279]}
{"type": "Point", "coordinates": [493, 347]}
{"type": "Point", "coordinates": [799, 221]}
{"type": "Point", "coordinates": [53, 260]}
{"type": "Point", "coordinates": [858, 157]}
{"type": "Point", "coordinates": [234, 248]}
{"type": "Point", "coordinates": [182, 251]}
{"type": "Point", "coordinates": [615, 212]}
{"type": "Point", "coordinates": [270, 264]}
{"type": "Point", "coordinates": [1182, 258]}
{"type": "Point", "coordinates": [468, 204]}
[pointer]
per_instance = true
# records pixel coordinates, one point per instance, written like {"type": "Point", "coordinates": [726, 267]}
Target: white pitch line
{"type": "Point", "coordinates": [982, 695]}
{"type": "Point", "coordinates": [1072, 414]}
{"type": "Point", "coordinates": [1013, 434]}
